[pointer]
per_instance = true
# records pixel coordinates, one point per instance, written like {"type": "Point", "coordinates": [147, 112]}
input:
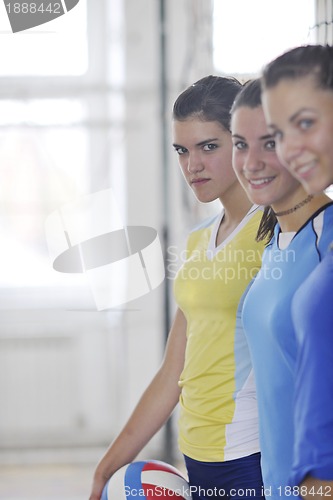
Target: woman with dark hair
{"type": "Point", "coordinates": [207, 366]}
{"type": "Point", "coordinates": [301, 81]}
{"type": "Point", "coordinates": [301, 235]}
{"type": "Point", "coordinates": [298, 103]}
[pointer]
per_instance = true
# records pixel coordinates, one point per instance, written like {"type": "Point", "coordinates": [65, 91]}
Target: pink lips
{"type": "Point", "coordinates": [305, 170]}
{"type": "Point", "coordinates": [198, 182]}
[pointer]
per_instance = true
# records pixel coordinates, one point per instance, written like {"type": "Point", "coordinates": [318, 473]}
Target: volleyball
{"type": "Point", "coordinates": [149, 479]}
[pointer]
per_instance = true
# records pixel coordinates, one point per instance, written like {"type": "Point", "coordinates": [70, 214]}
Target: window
{"type": "Point", "coordinates": [43, 164]}
{"type": "Point", "coordinates": [248, 34]}
{"type": "Point", "coordinates": [60, 123]}
{"type": "Point", "coordinates": [55, 48]}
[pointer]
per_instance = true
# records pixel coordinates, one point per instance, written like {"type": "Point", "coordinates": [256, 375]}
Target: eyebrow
{"type": "Point", "coordinates": [295, 115]}
{"type": "Point", "coordinates": [265, 137]}
{"type": "Point", "coordinates": [292, 118]}
{"type": "Point", "coordinates": [207, 141]}
{"type": "Point", "coordinates": [261, 138]}
{"type": "Point", "coordinates": [198, 144]}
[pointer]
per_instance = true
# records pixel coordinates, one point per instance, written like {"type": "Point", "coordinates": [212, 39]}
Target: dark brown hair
{"type": "Point", "coordinates": [316, 60]}
{"type": "Point", "coordinates": [209, 99]}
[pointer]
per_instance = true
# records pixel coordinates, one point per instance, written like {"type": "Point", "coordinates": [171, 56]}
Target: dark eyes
{"type": "Point", "coordinates": [240, 145]}
{"type": "Point", "coordinates": [270, 145]}
{"type": "Point", "coordinates": [181, 150]}
{"type": "Point", "coordinates": [209, 147]}
{"type": "Point", "coordinates": [206, 147]}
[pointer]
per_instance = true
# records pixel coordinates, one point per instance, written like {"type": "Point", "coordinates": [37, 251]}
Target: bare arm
{"type": "Point", "coordinates": [158, 400]}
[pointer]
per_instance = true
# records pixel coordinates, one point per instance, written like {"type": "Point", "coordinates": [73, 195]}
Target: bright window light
{"type": "Point", "coordinates": [44, 164]}
{"type": "Point", "coordinates": [56, 48]}
{"type": "Point", "coordinates": [248, 34]}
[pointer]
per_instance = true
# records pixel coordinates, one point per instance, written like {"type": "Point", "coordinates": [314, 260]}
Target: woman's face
{"type": "Point", "coordinates": [265, 180]}
{"type": "Point", "coordinates": [205, 157]}
{"type": "Point", "coordinates": [299, 114]}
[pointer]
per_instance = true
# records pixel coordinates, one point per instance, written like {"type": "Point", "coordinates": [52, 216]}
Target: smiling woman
{"type": "Point", "coordinates": [304, 227]}
{"type": "Point", "coordinates": [298, 104]}
{"type": "Point", "coordinates": [298, 100]}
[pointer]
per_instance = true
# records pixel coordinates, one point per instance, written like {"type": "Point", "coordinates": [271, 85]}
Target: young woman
{"type": "Point", "coordinates": [207, 363]}
{"type": "Point", "coordinates": [300, 238]}
{"type": "Point", "coordinates": [298, 102]}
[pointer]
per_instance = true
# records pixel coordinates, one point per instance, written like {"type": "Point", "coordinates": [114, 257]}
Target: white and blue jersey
{"type": "Point", "coordinates": [287, 262]}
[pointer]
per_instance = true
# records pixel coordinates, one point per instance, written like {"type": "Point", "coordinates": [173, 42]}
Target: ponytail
{"type": "Point", "coordinates": [266, 226]}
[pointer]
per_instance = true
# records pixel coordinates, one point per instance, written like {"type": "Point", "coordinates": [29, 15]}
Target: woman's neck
{"type": "Point", "coordinates": [300, 212]}
{"type": "Point", "coordinates": [236, 205]}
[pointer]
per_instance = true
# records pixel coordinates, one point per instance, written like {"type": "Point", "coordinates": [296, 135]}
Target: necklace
{"type": "Point", "coordinates": [296, 207]}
